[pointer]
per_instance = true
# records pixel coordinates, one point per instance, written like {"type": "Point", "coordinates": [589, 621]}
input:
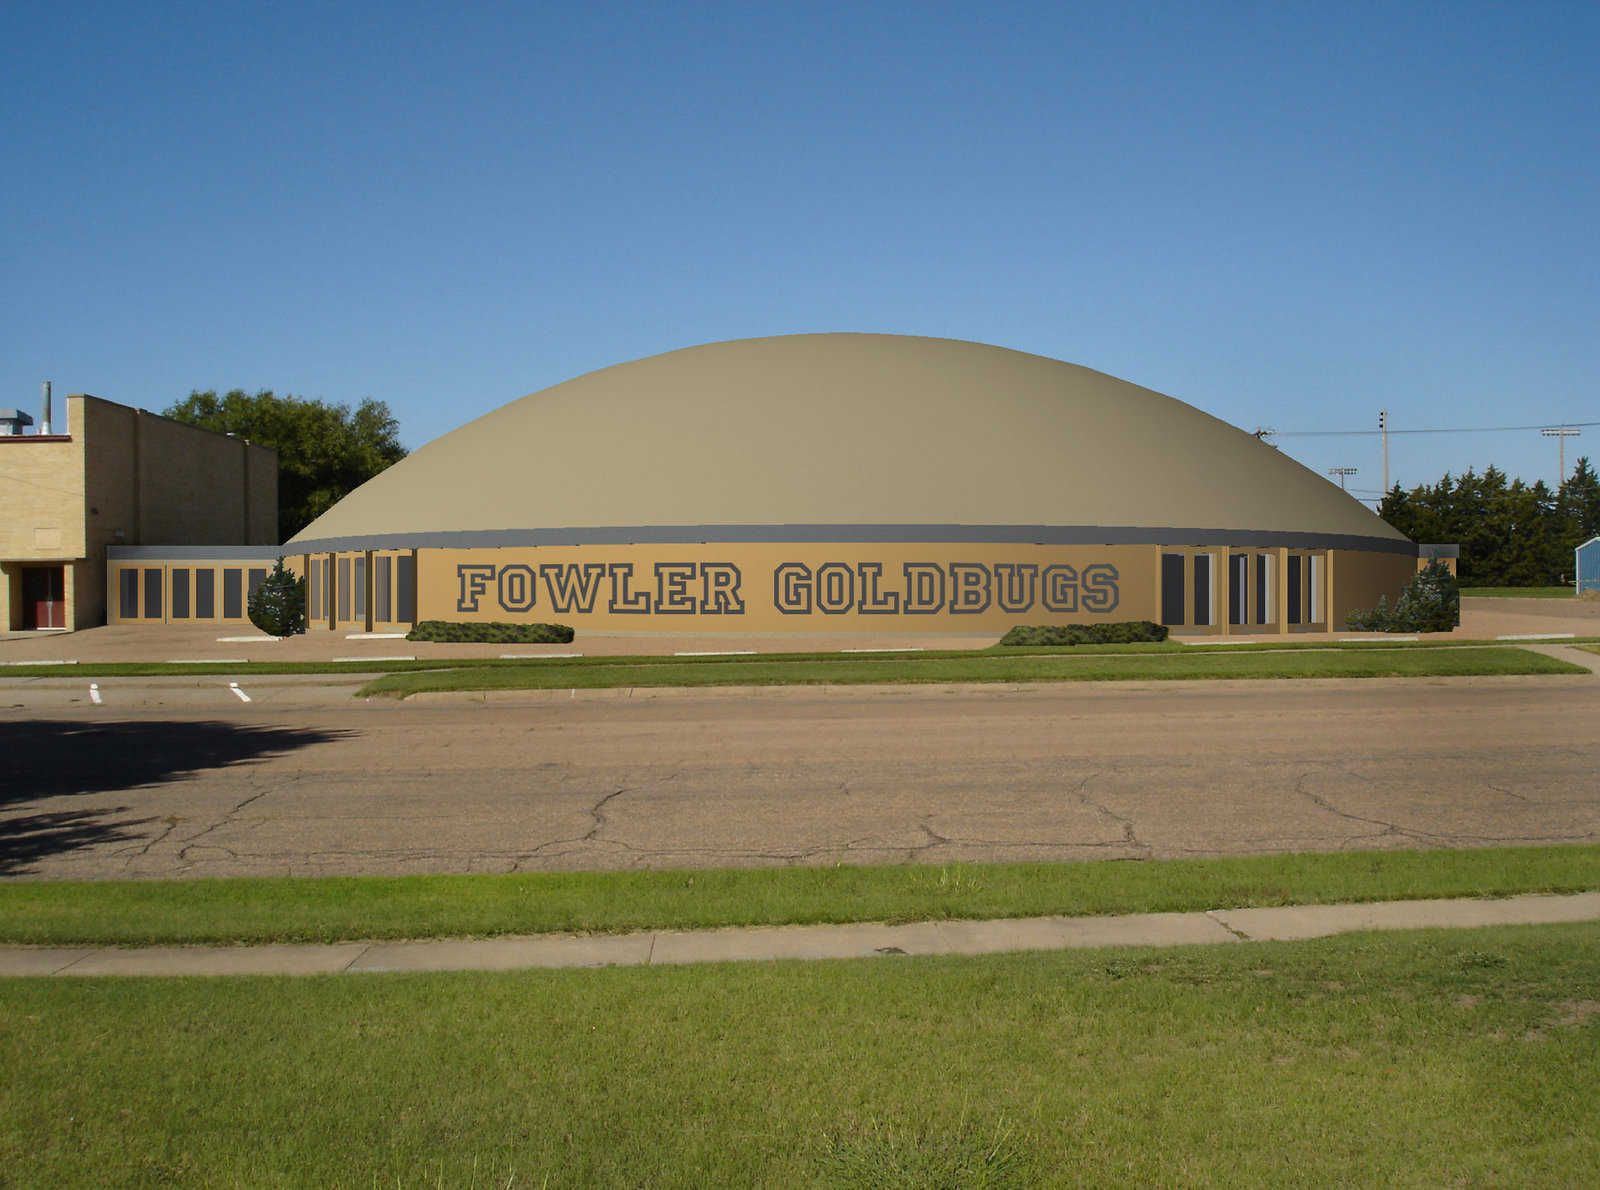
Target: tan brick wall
{"type": "Point", "coordinates": [194, 487]}
{"type": "Point", "coordinates": [41, 490]}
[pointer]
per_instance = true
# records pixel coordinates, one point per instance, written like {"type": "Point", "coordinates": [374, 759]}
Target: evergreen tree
{"type": "Point", "coordinates": [278, 605]}
{"type": "Point", "coordinates": [1511, 534]}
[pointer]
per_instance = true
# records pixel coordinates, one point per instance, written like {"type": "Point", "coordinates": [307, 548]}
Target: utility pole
{"type": "Point", "coordinates": [1561, 434]}
{"type": "Point", "coordinates": [1341, 472]}
{"type": "Point", "coordinates": [1383, 428]}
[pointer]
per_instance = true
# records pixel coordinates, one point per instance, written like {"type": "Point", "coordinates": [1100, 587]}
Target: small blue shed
{"type": "Point", "coordinates": [1588, 565]}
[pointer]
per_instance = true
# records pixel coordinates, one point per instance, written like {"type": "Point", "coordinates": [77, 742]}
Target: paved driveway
{"type": "Point", "coordinates": [181, 777]}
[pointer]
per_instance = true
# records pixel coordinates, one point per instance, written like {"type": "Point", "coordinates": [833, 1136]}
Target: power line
{"type": "Point", "coordinates": [1448, 430]}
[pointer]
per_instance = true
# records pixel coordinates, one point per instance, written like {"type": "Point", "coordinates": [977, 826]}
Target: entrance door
{"type": "Point", "coordinates": [44, 597]}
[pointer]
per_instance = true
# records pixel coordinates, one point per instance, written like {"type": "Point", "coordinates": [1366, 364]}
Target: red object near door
{"type": "Point", "coordinates": [44, 597]}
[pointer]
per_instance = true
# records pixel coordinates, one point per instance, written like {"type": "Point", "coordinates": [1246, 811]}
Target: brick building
{"type": "Point", "coordinates": [107, 476]}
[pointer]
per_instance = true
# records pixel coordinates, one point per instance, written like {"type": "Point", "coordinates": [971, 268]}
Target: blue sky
{"type": "Point", "coordinates": [1289, 215]}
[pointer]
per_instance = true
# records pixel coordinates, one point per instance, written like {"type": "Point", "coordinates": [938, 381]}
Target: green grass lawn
{"type": "Point", "coordinates": [886, 661]}
{"type": "Point", "coordinates": [1518, 592]}
{"type": "Point", "coordinates": [1069, 665]}
{"type": "Point", "coordinates": [290, 909]}
{"type": "Point", "coordinates": [1430, 1058]}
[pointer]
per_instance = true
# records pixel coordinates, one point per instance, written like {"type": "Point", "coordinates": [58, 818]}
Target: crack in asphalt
{"type": "Point", "coordinates": [1130, 835]}
{"type": "Point", "coordinates": [226, 820]}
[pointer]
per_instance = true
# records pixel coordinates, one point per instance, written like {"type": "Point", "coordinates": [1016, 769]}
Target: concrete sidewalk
{"type": "Point", "coordinates": [864, 940]}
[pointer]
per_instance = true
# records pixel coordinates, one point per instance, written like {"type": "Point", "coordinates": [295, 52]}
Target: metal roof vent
{"type": "Point", "coordinates": [13, 422]}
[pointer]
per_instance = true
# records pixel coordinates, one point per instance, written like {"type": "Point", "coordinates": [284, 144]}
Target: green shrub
{"type": "Point", "coordinates": [278, 605]}
{"type": "Point", "coordinates": [494, 633]}
{"type": "Point", "coordinates": [1430, 602]}
{"type": "Point", "coordinates": [1127, 632]}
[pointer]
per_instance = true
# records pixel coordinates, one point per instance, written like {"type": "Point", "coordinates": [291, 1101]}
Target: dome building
{"type": "Point", "coordinates": [849, 483]}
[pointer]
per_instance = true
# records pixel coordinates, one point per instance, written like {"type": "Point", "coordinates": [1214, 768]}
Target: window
{"type": "Point", "coordinates": [180, 593]}
{"type": "Point", "coordinates": [359, 586]}
{"type": "Point", "coordinates": [128, 581]}
{"type": "Point", "coordinates": [1316, 588]}
{"type": "Point", "coordinates": [1172, 589]}
{"type": "Point", "coordinates": [1202, 589]}
{"type": "Point", "coordinates": [233, 594]}
{"type": "Point", "coordinates": [152, 593]}
{"type": "Point", "coordinates": [1265, 591]}
{"type": "Point", "coordinates": [405, 589]}
{"type": "Point", "coordinates": [1238, 587]}
{"type": "Point", "coordinates": [205, 594]}
{"type": "Point", "coordinates": [344, 590]}
{"type": "Point", "coordinates": [381, 568]}
{"type": "Point", "coordinates": [1294, 597]}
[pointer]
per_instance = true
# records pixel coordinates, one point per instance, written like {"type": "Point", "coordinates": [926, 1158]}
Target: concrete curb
{"type": "Point", "coordinates": [856, 940]}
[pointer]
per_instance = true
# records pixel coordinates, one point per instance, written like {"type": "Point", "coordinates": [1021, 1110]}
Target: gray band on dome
{"type": "Point", "coordinates": [853, 535]}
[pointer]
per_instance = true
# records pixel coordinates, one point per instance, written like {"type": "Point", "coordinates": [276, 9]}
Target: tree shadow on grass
{"type": "Point", "coordinates": [45, 758]}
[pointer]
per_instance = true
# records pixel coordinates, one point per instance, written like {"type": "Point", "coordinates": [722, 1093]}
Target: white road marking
{"type": "Point", "coordinates": [248, 640]}
{"type": "Point", "coordinates": [721, 653]}
{"type": "Point", "coordinates": [234, 686]}
{"type": "Point", "coordinates": [376, 636]}
{"type": "Point", "coordinates": [51, 662]}
{"type": "Point", "coordinates": [1372, 640]}
{"type": "Point", "coordinates": [374, 658]}
{"type": "Point", "coordinates": [207, 661]}
{"type": "Point", "coordinates": [915, 650]}
{"type": "Point", "coordinates": [94, 693]}
{"type": "Point", "coordinates": [534, 656]}
{"type": "Point", "coordinates": [1537, 636]}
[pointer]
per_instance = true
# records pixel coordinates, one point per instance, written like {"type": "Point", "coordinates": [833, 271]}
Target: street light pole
{"type": "Point", "coordinates": [1383, 428]}
{"type": "Point", "coordinates": [1341, 472]}
{"type": "Point", "coordinates": [1561, 434]}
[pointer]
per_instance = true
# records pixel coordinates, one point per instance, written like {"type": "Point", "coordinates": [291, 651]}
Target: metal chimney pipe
{"type": "Point", "coordinates": [44, 426]}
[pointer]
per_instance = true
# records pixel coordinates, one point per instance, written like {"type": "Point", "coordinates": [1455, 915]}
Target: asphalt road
{"type": "Point", "coordinates": [181, 777]}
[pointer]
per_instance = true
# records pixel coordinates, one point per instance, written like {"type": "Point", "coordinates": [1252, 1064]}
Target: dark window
{"type": "Point", "coordinates": [180, 593]}
{"type": "Point", "coordinates": [358, 587]}
{"type": "Point", "coordinates": [257, 577]}
{"type": "Point", "coordinates": [205, 594]}
{"type": "Point", "coordinates": [1292, 611]}
{"type": "Point", "coordinates": [405, 589]}
{"type": "Point", "coordinates": [381, 568]}
{"type": "Point", "coordinates": [313, 591]}
{"type": "Point", "coordinates": [152, 593]}
{"type": "Point", "coordinates": [1263, 573]}
{"type": "Point", "coordinates": [1202, 588]}
{"type": "Point", "coordinates": [344, 590]}
{"type": "Point", "coordinates": [232, 594]}
{"type": "Point", "coordinates": [1172, 588]}
{"type": "Point", "coordinates": [129, 582]}
{"type": "Point", "coordinates": [1238, 584]}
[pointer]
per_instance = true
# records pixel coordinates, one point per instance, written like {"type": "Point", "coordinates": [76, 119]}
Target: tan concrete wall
{"type": "Point", "coordinates": [1360, 578]}
{"type": "Point", "coordinates": [743, 588]}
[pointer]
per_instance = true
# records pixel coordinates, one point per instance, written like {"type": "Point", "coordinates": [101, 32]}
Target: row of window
{"type": "Point", "coordinates": [338, 589]}
{"type": "Point", "coordinates": [186, 592]}
{"type": "Point", "coordinates": [1249, 602]}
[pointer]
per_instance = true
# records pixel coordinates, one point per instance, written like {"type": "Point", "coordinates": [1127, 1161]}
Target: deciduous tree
{"type": "Point", "coordinates": [324, 451]}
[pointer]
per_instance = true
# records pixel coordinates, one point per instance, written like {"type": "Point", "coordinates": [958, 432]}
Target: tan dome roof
{"type": "Point", "coordinates": [844, 437]}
